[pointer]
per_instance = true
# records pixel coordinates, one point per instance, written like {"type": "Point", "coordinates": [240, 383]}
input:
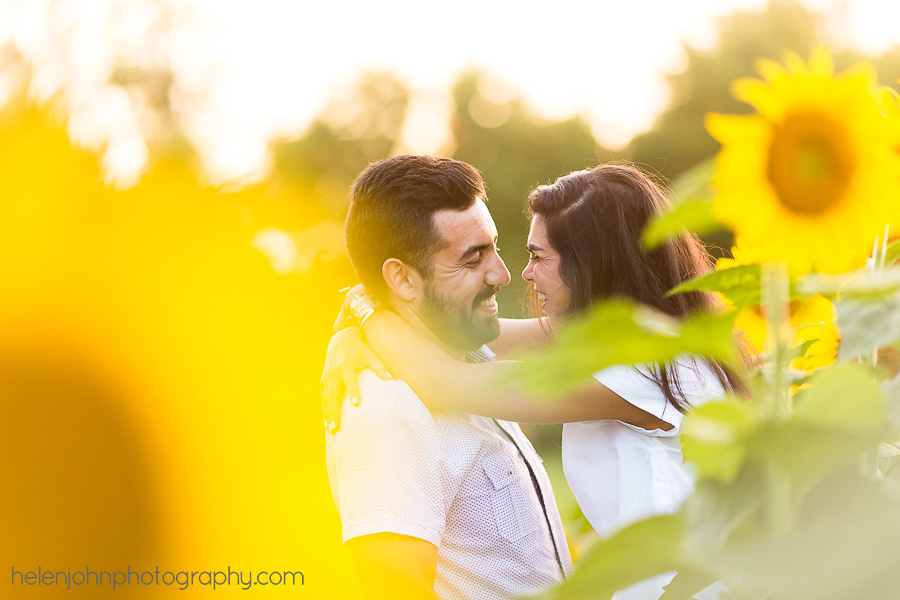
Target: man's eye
{"type": "Point", "coordinates": [473, 264]}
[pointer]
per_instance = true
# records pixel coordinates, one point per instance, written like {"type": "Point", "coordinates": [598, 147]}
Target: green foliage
{"type": "Point", "coordinates": [867, 323]}
{"type": "Point", "coordinates": [835, 421]}
{"type": "Point", "coordinates": [841, 545]}
{"type": "Point", "coordinates": [349, 134]}
{"type": "Point", "coordinates": [619, 332]}
{"type": "Point", "coordinates": [854, 284]}
{"type": "Point", "coordinates": [696, 182]}
{"type": "Point", "coordinates": [741, 284]}
{"type": "Point", "coordinates": [690, 215]}
{"type": "Point", "coordinates": [892, 253]}
{"type": "Point", "coordinates": [692, 211]}
{"type": "Point", "coordinates": [635, 553]}
{"type": "Point", "coordinates": [686, 583]}
{"type": "Point", "coordinates": [891, 391]}
{"type": "Point", "coordinates": [715, 438]}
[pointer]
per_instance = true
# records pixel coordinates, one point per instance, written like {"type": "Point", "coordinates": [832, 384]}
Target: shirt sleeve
{"type": "Point", "coordinates": [638, 389]}
{"type": "Point", "coordinates": [385, 464]}
{"type": "Point", "coordinates": [634, 385]}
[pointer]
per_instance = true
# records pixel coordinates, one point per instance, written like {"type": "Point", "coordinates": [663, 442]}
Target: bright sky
{"type": "Point", "coordinates": [247, 72]}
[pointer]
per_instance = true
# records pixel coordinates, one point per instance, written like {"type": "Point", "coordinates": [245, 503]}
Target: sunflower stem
{"type": "Point", "coordinates": [776, 307]}
{"type": "Point", "coordinates": [875, 267]}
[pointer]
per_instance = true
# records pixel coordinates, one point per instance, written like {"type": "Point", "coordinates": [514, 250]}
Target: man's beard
{"type": "Point", "coordinates": [457, 325]}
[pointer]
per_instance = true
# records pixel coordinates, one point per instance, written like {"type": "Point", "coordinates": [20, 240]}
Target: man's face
{"type": "Point", "coordinates": [459, 302]}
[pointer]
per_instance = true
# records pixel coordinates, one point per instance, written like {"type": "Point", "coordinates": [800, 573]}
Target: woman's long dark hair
{"type": "Point", "coordinates": [594, 220]}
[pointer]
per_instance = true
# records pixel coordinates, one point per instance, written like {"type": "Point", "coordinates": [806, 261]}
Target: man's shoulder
{"type": "Point", "coordinates": [386, 399]}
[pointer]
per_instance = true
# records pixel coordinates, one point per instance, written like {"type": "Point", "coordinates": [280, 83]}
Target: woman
{"type": "Point", "coordinates": [621, 450]}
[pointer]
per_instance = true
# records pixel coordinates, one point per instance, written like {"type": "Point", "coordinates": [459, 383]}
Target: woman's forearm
{"type": "Point", "coordinates": [520, 334]}
{"type": "Point", "coordinates": [488, 389]}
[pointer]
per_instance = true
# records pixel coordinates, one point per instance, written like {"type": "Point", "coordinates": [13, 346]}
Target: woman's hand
{"type": "Point", "coordinates": [345, 316]}
{"type": "Point", "coordinates": [347, 354]}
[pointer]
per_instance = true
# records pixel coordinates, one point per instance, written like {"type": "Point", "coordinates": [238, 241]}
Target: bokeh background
{"type": "Point", "coordinates": [173, 181]}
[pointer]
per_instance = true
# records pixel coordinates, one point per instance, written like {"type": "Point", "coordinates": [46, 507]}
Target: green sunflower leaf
{"type": "Point", "coordinates": [644, 549]}
{"type": "Point", "coordinates": [714, 438]}
{"type": "Point", "coordinates": [892, 254]}
{"type": "Point", "coordinates": [739, 284]}
{"type": "Point", "coordinates": [621, 333]}
{"type": "Point", "coordinates": [687, 583]}
{"type": "Point", "coordinates": [694, 214]}
{"type": "Point", "coordinates": [867, 323]}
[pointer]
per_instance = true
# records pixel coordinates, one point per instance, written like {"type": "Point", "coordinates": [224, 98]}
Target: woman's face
{"type": "Point", "coordinates": [543, 272]}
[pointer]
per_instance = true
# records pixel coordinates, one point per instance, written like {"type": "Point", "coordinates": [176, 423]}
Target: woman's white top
{"type": "Point", "coordinates": [621, 473]}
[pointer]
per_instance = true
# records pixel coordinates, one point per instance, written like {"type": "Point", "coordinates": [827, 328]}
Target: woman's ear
{"type": "Point", "coordinates": [401, 279]}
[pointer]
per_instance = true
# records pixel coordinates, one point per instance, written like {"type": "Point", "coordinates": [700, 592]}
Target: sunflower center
{"type": "Point", "coordinates": [811, 162]}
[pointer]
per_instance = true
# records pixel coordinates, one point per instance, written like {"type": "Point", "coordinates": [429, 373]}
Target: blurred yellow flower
{"type": "Point", "coordinates": [742, 253]}
{"type": "Point", "coordinates": [158, 377]}
{"type": "Point", "coordinates": [814, 176]}
{"type": "Point", "coordinates": [813, 321]}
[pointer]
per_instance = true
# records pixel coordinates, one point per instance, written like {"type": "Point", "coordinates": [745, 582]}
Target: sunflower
{"type": "Point", "coordinates": [157, 380]}
{"type": "Point", "coordinates": [813, 320]}
{"type": "Point", "coordinates": [814, 176]}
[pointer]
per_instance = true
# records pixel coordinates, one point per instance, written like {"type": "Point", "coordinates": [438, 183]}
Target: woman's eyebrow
{"type": "Point", "coordinates": [533, 248]}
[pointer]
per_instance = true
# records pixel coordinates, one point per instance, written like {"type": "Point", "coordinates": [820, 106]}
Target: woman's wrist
{"type": "Point", "coordinates": [364, 306]}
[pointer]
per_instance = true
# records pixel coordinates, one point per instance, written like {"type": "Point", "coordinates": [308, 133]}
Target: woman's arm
{"type": "Point", "coordinates": [487, 389]}
{"type": "Point", "coordinates": [520, 334]}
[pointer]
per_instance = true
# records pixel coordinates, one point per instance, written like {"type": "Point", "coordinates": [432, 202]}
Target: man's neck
{"type": "Point", "coordinates": [409, 314]}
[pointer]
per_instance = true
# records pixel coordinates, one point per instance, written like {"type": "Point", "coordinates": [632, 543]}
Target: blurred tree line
{"type": "Point", "coordinates": [517, 151]}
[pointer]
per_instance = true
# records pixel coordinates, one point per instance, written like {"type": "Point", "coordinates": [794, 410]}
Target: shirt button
{"type": "Point", "coordinates": [661, 470]}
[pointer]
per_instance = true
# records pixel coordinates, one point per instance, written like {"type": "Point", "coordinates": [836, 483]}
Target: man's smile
{"type": "Point", "coordinates": [488, 305]}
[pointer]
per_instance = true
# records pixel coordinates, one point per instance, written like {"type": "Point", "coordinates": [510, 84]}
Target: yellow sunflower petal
{"type": "Point", "coordinates": [794, 63]}
{"type": "Point", "coordinates": [821, 62]}
{"type": "Point", "coordinates": [769, 69]}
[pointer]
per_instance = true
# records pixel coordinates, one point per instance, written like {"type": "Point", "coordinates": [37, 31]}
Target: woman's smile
{"type": "Point", "coordinates": [543, 273]}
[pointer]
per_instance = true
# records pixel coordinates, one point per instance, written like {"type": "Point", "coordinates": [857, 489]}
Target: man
{"type": "Point", "coordinates": [437, 504]}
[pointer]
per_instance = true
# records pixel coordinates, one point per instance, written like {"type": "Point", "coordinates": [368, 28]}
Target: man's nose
{"type": "Point", "coordinates": [498, 274]}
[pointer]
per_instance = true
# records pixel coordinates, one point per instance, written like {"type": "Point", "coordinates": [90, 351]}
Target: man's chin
{"type": "Point", "coordinates": [488, 331]}
{"type": "Point", "coordinates": [460, 328]}
{"type": "Point", "coordinates": [473, 334]}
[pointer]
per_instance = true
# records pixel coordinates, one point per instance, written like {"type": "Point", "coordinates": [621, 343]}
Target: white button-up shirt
{"type": "Point", "coordinates": [467, 484]}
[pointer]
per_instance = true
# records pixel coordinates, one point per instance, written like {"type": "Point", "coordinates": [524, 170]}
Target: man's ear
{"type": "Point", "coordinates": [402, 279]}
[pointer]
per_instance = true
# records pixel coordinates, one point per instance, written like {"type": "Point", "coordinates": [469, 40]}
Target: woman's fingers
{"type": "Point", "coordinates": [351, 384]}
{"type": "Point", "coordinates": [332, 394]}
{"type": "Point", "coordinates": [347, 354]}
{"type": "Point", "coordinates": [323, 394]}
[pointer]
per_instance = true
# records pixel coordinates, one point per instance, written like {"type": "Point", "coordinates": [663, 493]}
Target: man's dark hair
{"type": "Point", "coordinates": [392, 208]}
